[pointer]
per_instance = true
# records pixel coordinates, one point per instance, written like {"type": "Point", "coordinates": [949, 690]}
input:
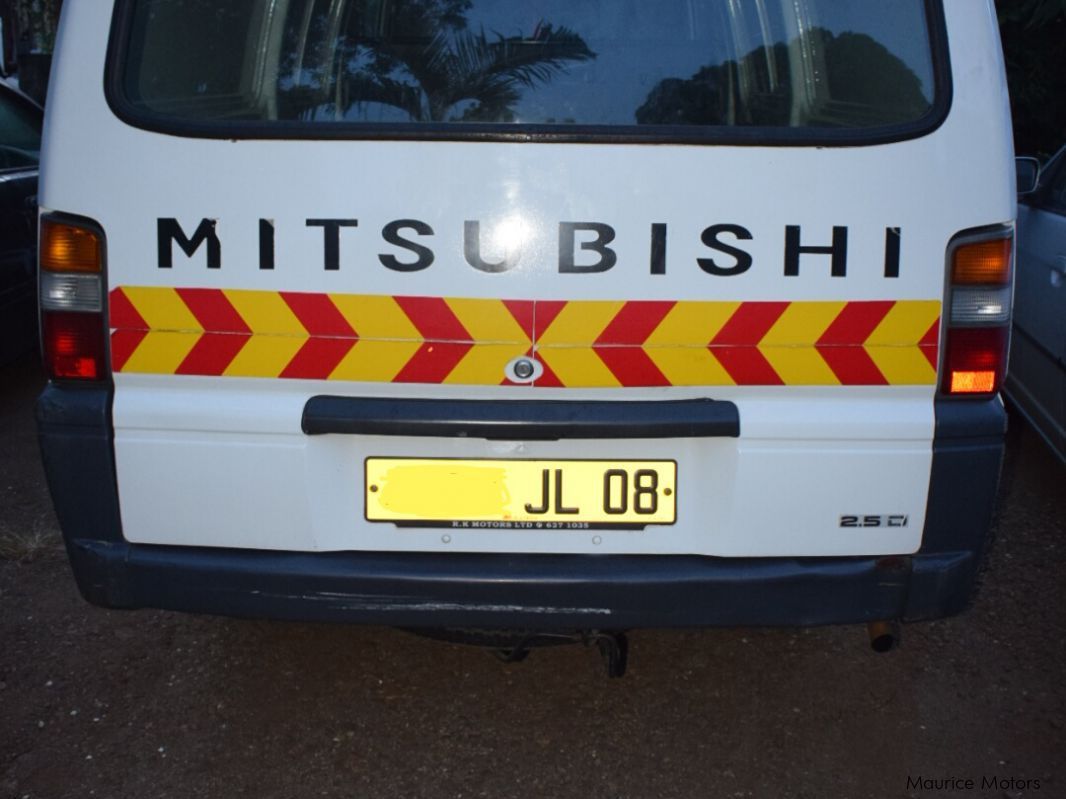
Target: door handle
{"type": "Point", "coordinates": [1058, 271]}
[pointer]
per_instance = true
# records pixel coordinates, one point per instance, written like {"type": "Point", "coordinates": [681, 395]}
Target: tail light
{"type": "Point", "coordinates": [73, 330]}
{"type": "Point", "coordinates": [979, 309]}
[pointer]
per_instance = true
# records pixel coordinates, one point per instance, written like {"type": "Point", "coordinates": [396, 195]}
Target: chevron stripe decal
{"type": "Point", "coordinates": [581, 343]}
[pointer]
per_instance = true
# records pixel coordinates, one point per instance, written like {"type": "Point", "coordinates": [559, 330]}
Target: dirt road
{"type": "Point", "coordinates": [97, 703]}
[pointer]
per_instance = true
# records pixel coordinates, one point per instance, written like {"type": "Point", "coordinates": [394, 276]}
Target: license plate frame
{"type": "Point", "coordinates": [527, 493]}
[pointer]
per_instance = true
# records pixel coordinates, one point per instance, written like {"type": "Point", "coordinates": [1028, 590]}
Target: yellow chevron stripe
{"type": "Point", "coordinates": [265, 313]}
{"type": "Point", "coordinates": [905, 324]}
{"type": "Point", "coordinates": [579, 323]}
{"type": "Point", "coordinates": [565, 346]}
{"type": "Point", "coordinates": [903, 366]}
{"type": "Point", "coordinates": [161, 308]}
{"type": "Point", "coordinates": [578, 366]}
{"type": "Point", "coordinates": [689, 366]}
{"type": "Point", "coordinates": [499, 338]}
{"type": "Point", "coordinates": [691, 323]}
{"type": "Point", "coordinates": [375, 361]}
{"type": "Point", "coordinates": [483, 364]}
{"type": "Point", "coordinates": [800, 366]}
{"type": "Point", "coordinates": [161, 352]}
{"type": "Point", "coordinates": [789, 344]}
{"type": "Point", "coordinates": [893, 344]}
{"type": "Point", "coordinates": [375, 317]}
{"type": "Point", "coordinates": [488, 321]}
{"type": "Point", "coordinates": [678, 346]}
{"type": "Point", "coordinates": [802, 324]}
{"type": "Point", "coordinates": [265, 356]}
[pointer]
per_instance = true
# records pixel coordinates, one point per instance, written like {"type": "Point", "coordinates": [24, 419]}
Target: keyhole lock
{"type": "Point", "coordinates": [523, 370]}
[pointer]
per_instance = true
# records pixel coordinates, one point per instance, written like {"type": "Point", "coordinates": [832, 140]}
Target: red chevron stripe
{"type": "Point", "coordinates": [619, 345]}
{"type": "Point", "coordinates": [318, 315]}
{"type": "Point", "coordinates": [634, 323]}
{"type": "Point", "coordinates": [632, 366]}
{"type": "Point", "coordinates": [548, 378]}
{"type": "Point", "coordinates": [747, 366]}
{"type": "Point", "coordinates": [544, 313]}
{"type": "Point", "coordinates": [433, 362]}
{"type": "Point", "coordinates": [434, 319]}
{"type": "Point", "coordinates": [749, 324]}
{"type": "Point", "coordinates": [123, 345]}
{"type": "Point", "coordinates": [213, 311]}
{"type": "Point", "coordinates": [930, 344]}
{"type": "Point", "coordinates": [841, 344]}
{"type": "Point", "coordinates": [212, 353]}
{"type": "Point", "coordinates": [123, 316]}
{"type": "Point", "coordinates": [332, 337]}
{"type": "Point", "coordinates": [855, 323]}
{"type": "Point", "coordinates": [318, 357]}
{"type": "Point", "coordinates": [524, 313]}
{"type": "Point", "coordinates": [852, 366]}
{"type": "Point", "coordinates": [735, 345]}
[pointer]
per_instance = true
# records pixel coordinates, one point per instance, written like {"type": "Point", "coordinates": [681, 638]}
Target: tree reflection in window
{"type": "Point", "coordinates": [818, 80]}
{"type": "Point", "coordinates": [417, 57]}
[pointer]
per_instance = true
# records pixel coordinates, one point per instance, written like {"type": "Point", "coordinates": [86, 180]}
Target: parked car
{"type": "Point", "coordinates": [1036, 380]}
{"type": "Point", "coordinates": [20, 145]}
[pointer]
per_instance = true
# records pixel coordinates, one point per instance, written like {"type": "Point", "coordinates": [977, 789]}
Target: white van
{"type": "Point", "coordinates": [541, 315]}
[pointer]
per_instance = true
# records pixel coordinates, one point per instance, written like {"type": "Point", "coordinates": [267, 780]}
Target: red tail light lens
{"type": "Point", "coordinates": [74, 345]}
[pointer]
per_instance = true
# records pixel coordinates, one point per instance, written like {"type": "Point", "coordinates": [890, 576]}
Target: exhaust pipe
{"type": "Point", "coordinates": [884, 635]}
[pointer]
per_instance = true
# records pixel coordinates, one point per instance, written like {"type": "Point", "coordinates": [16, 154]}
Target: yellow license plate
{"type": "Point", "coordinates": [520, 493]}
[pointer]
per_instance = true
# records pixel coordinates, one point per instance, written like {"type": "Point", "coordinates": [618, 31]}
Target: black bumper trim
{"type": "Point", "coordinates": [964, 479]}
{"type": "Point", "coordinates": [525, 420]}
{"type": "Point", "coordinates": [534, 591]}
{"type": "Point", "coordinates": [74, 431]}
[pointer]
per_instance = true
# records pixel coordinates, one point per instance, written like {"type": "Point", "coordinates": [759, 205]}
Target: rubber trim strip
{"type": "Point", "coordinates": [524, 420]}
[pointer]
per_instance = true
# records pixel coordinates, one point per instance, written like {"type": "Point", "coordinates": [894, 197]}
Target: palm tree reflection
{"type": "Point", "coordinates": [419, 58]}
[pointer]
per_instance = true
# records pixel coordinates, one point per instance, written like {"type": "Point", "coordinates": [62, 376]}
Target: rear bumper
{"type": "Point", "coordinates": [540, 592]}
{"type": "Point", "coordinates": [532, 591]}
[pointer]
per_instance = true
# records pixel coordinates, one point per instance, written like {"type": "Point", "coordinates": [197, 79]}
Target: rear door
{"type": "Point", "coordinates": [403, 201]}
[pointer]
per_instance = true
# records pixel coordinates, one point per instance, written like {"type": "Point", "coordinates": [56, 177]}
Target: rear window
{"type": "Point", "coordinates": [419, 67]}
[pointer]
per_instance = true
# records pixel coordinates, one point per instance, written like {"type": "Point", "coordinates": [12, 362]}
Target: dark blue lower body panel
{"type": "Point", "coordinates": [527, 591]}
{"type": "Point", "coordinates": [531, 591]}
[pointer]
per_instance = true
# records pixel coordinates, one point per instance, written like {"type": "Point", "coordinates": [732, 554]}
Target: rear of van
{"type": "Point", "coordinates": [584, 314]}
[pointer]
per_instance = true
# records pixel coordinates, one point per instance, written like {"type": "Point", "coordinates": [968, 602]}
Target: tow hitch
{"type": "Point", "coordinates": [514, 646]}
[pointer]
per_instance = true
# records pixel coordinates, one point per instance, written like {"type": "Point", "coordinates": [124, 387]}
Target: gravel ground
{"type": "Point", "coordinates": [97, 703]}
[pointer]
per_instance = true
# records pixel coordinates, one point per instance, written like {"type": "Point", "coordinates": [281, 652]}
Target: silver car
{"type": "Point", "coordinates": [1036, 379]}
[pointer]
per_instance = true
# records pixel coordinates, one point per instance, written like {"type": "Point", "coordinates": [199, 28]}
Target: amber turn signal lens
{"type": "Point", "coordinates": [974, 360]}
{"type": "Point", "coordinates": [67, 248]}
{"type": "Point", "coordinates": [973, 382]}
{"type": "Point", "coordinates": [984, 262]}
